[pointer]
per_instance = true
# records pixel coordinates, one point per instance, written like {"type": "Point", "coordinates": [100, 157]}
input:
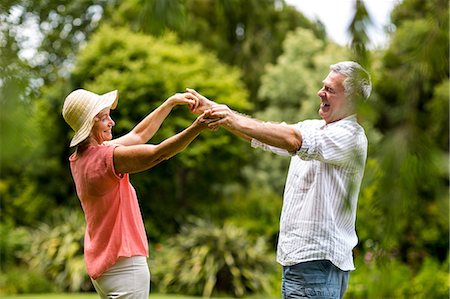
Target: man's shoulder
{"type": "Point", "coordinates": [313, 123]}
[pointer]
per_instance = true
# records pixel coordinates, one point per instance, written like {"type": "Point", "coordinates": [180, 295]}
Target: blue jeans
{"type": "Point", "coordinates": [315, 279]}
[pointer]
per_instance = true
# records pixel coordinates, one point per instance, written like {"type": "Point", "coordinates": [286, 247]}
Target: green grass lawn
{"type": "Point", "coordinates": [95, 296]}
{"type": "Point", "coordinates": [87, 296]}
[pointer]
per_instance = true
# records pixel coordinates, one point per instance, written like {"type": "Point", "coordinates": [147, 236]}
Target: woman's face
{"type": "Point", "coordinates": [102, 129]}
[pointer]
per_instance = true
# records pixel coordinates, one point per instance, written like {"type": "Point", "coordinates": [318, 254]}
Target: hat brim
{"type": "Point", "coordinates": [107, 100]}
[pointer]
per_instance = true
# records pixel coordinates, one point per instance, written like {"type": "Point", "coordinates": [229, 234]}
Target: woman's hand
{"type": "Point", "coordinates": [202, 122]}
{"type": "Point", "coordinates": [184, 98]}
{"type": "Point", "coordinates": [203, 104]}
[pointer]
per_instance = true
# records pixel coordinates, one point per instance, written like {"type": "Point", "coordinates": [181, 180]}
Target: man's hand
{"type": "Point", "coordinates": [221, 115]}
{"type": "Point", "coordinates": [203, 102]}
{"type": "Point", "coordinates": [184, 98]}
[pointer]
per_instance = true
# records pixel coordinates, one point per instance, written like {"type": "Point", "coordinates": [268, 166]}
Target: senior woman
{"type": "Point", "coordinates": [115, 243]}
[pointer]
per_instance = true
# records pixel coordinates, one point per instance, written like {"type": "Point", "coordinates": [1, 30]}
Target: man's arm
{"type": "Point", "coordinates": [279, 135]}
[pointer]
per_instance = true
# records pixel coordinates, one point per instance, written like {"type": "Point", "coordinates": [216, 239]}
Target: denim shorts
{"type": "Point", "coordinates": [314, 279]}
{"type": "Point", "coordinates": [128, 278]}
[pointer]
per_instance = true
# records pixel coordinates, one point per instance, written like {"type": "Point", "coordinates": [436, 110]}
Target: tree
{"type": "Point", "coordinates": [47, 34]}
{"type": "Point", "coordinates": [412, 195]}
{"type": "Point", "coordinates": [358, 26]}
{"type": "Point", "coordinates": [238, 31]}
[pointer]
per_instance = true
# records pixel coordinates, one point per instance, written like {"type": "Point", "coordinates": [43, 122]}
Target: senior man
{"type": "Point", "coordinates": [328, 156]}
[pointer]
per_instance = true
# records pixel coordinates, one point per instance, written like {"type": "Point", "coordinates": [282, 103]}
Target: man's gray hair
{"type": "Point", "coordinates": [357, 81]}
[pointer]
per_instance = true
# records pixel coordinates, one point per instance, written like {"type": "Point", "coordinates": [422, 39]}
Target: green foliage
{"type": "Point", "coordinates": [438, 107]}
{"type": "Point", "coordinates": [15, 128]}
{"type": "Point", "coordinates": [13, 240]}
{"type": "Point", "coordinates": [60, 27]}
{"type": "Point", "coordinates": [389, 279]}
{"type": "Point", "coordinates": [358, 30]}
{"type": "Point", "coordinates": [432, 281]}
{"type": "Point", "coordinates": [380, 277]}
{"type": "Point", "coordinates": [33, 178]}
{"type": "Point", "coordinates": [146, 69]}
{"type": "Point", "coordinates": [413, 185]}
{"type": "Point", "coordinates": [291, 85]}
{"type": "Point", "coordinates": [29, 159]}
{"type": "Point", "coordinates": [255, 209]}
{"type": "Point", "coordinates": [24, 281]}
{"type": "Point", "coordinates": [57, 251]}
{"type": "Point", "coordinates": [206, 260]}
{"type": "Point", "coordinates": [238, 31]}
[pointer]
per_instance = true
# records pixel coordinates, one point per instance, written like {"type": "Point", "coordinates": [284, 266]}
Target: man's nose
{"type": "Point", "coordinates": [321, 93]}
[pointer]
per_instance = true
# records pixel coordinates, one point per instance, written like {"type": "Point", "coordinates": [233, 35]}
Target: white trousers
{"type": "Point", "coordinates": [128, 278]}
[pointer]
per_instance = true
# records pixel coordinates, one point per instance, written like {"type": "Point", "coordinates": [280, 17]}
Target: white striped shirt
{"type": "Point", "coordinates": [321, 192]}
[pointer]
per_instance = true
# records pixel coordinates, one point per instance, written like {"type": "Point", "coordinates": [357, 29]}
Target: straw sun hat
{"type": "Point", "coordinates": [81, 106]}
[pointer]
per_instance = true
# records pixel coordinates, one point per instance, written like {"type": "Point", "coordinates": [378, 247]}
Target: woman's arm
{"type": "Point", "coordinates": [137, 158]}
{"type": "Point", "coordinates": [145, 129]}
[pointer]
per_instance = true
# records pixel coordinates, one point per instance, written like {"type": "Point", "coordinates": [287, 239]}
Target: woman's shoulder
{"type": "Point", "coordinates": [91, 150]}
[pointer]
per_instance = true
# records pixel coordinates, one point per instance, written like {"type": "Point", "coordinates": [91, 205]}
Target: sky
{"type": "Point", "coordinates": [336, 15]}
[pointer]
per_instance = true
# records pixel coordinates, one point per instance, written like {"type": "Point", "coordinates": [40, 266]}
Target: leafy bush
{"type": "Point", "coordinates": [22, 280]}
{"type": "Point", "coordinates": [432, 281]}
{"type": "Point", "coordinates": [389, 278]}
{"type": "Point", "coordinates": [205, 260]}
{"type": "Point", "coordinates": [57, 251]}
{"type": "Point", "coordinates": [12, 240]}
{"type": "Point", "coordinates": [257, 209]}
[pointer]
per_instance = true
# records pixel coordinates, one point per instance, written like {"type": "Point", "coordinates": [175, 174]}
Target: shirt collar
{"type": "Point", "coordinates": [351, 117]}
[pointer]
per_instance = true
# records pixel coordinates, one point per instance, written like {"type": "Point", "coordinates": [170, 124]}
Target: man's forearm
{"type": "Point", "coordinates": [278, 135]}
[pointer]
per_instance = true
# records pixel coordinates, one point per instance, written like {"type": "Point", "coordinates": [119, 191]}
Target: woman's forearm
{"type": "Point", "coordinates": [137, 158]}
{"type": "Point", "coordinates": [152, 122]}
{"type": "Point", "coordinates": [146, 128]}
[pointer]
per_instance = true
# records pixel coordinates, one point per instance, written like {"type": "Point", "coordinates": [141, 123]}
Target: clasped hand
{"type": "Point", "coordinates": [216, 114]}
{"type": "Point", "coordinates": [211, 113]}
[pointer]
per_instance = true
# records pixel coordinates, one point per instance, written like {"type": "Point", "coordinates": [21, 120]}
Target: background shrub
{"type": "Point", "coordinates": [208, 260]}
{"type": "Point", "coordinates": [57, 250]}
{"type": "Point", "coordinates": [382, 277]}
{"type": "Point", "coordinates": [23, 280]}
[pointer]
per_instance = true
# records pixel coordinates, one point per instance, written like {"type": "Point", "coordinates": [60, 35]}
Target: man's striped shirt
{"type": "Point", "coordinates": [320, 197]}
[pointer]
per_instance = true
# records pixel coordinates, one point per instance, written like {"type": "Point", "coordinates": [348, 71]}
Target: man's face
{"type": "Point", "coordinates": [334, 105]}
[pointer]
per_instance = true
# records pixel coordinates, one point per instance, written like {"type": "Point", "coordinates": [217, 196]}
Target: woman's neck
{"type": "Point", "coordinates": [84, 145]}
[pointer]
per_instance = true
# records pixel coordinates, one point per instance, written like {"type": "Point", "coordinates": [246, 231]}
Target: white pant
{"type": "Point", "coordinates": [128, 278]}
